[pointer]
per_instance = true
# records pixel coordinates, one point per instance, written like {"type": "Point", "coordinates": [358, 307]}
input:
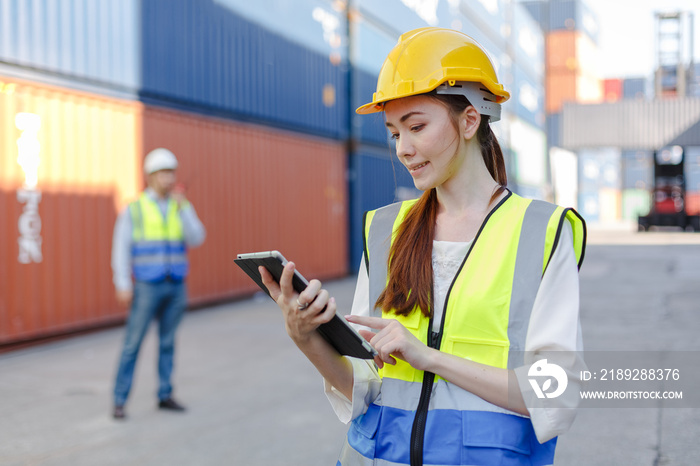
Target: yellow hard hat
{"type": "Point", "coordinates": [443, 60]}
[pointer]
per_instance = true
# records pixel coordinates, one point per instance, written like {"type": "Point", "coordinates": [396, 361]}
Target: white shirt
{"type": "Point", "coordinates": [554, 326]}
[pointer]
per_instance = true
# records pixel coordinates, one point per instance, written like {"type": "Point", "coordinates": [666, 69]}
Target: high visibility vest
{"type": "Point", "coordinates": [421, 417]}
{"type": "Point", "coordinates": [158, 248]}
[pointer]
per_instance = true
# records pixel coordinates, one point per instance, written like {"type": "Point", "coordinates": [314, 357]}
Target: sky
{"type": "Point", "coordinates": [627, 34]}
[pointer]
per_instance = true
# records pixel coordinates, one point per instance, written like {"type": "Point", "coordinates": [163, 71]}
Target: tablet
{"type": "Point", "coordinates": [338, 332]}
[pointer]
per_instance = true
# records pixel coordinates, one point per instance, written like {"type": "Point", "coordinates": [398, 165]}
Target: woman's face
{"type": "Point", "coordinates": [427, 142]}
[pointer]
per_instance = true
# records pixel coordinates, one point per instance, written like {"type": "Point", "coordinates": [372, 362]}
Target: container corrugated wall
{"type": "Point", "coordinates": [367, 128]}
{"type": "Point", "coordinates": [554, 15]}
{"type": "Point", "coordinates": [80, 43]}
{"type": "Point", "coordinates": [571, 61]}
{"type": "Point", "coordinates": [377, 179]}
{"type": "Point", "coordinates": [59, 207]}
{"type": "Point", "coordinates": [629, 124]}
{"type": "Point", "coordinates": [256, 189]}
{"type": "Point", "coordinates": [203, 56]}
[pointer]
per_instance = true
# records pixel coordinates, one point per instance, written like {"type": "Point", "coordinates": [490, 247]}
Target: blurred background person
{"type": "Point", "coordinates": [150, 242]}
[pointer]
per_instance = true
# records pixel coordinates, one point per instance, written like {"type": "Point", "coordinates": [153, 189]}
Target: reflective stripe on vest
{"type": "Point", "coordinates": [158, 248]}
{"type": "Point", "coordinates": [486, 316]}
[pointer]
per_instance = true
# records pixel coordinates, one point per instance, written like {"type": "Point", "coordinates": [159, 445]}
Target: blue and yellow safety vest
{"type": "Point", "coordinates": [421, 418]}
{"type": "Point", "coordinates": [158, 248]}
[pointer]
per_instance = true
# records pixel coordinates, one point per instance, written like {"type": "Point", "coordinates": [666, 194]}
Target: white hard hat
{"type": "Point", "coordinates": [159, 159]}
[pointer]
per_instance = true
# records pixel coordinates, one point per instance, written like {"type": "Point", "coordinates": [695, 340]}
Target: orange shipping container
{"type": "Point", "coordinates": [71, 161]}
{"type": "Point", "coordinates": [571, 70]}
{"type": "Point", "coordinates": [68, 160]}
{"type": "Point", "coordinates": [561, 51]}
{"type": "Point", "coordinates": [560, 88]}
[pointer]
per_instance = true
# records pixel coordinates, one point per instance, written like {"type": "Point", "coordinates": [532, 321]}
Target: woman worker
{"type": "Point", "coordinates": [465, 292]}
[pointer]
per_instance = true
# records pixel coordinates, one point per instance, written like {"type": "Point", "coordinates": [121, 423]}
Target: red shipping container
{"type": "Point", "coordinates": [73, 163]}
{"type": "Point", "coordinates": [612, 90]}
{"type": "Point", "coordinates": [256, 189]}
{"type": "Point", "coordinates": [692, 203]}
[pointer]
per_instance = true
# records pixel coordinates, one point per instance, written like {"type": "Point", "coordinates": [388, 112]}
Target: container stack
{"type": "Point", "coordinates": [256, 99]}
{"type": "Point", "coordinates": [571, 76]}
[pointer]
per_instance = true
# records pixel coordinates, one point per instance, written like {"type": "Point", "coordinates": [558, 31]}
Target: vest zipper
{"type": "Point", "coordinates": [434, 339]}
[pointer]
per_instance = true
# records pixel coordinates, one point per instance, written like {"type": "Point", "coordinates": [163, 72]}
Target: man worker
{"type": "Point", "coordinates": [150, 242]}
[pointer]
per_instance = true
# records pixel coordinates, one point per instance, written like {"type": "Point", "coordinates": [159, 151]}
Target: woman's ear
{"type": "Point", "coordinates": [469, 122]}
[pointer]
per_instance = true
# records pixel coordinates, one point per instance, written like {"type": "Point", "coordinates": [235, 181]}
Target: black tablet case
{"type": "Point", "coordinates": [337, 331]}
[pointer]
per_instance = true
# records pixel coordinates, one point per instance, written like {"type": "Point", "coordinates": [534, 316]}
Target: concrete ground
{"type": "Point", "coordinates": [254, 400]}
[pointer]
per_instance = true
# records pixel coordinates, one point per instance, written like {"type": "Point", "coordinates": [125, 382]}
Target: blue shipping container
{"type": "Point", "coordinates": [366, 128]}
{"type": "Point", "coordinates": [637, 169]}
{"type": "Point", "coordinates": [634, 88]}
{"type": "Point", "coordinates": [529, 43]}
{"type": "Point", "coordinates": [527, 98]}
{"type": "Point", "coordinates": [692, 168]}
{"type": "Point", "coordinates": [589, 206]}
{"type": "Point", "coordinates": [554, 129]}
{"type": "Point", "coordinates": [72, 43]}
{"type": "Point", "coordinates": [203, 56]}
{"type": "Point", "coordinates": [599, 168]}
{"type": "Point", "coordinates": [571, 15]}
{"type": "Point", "coordinates": [377, 179]}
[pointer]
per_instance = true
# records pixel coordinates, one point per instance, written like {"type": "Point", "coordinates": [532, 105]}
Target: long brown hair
{"type": "Point", "coordinates": [410, 283]}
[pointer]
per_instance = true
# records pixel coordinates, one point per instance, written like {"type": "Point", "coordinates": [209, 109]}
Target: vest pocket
{"type": "Point", "coordinates": [491, 352]}
{"type": "Point", "coordinates": [496, 438]}
{"type": "Point", "coordinates": [363, 431]}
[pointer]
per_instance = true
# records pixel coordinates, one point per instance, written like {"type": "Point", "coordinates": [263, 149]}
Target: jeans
{"type": "Point", "coordinates": [166, 302]}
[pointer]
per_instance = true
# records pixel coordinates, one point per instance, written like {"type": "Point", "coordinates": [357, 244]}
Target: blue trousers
{"type": "Point", "coordinates": [164, 301]}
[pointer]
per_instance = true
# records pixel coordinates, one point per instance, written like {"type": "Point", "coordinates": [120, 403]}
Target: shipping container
{"type": "Point", "coordinates": [599, 168]}
{"type": "Point", "coordinates": [69, 162]}
{"type": "Point", "coordinates": [564, 15]}
{"type": "Point", "coordinates": [692, 202]}
{"type": "Point", "coordinates": [560, 89]}
{"type": "Point", "coordinates": [202, 56]}
{"type": "Point", "coordinates": [637, 170]}
{"type": "Point", "coordinates": [319, 25]}
{"type": "Point", "coordinates": [634, 88]}
{"type": "Point", "coordinates": [528, 41]}
{"type": "Point", "coordinates": [73, 43]}
{"type": "Point", "coordinates": [75, 162]}
{"type": "Point", "coordinates": [399, 16]}
{"type": "Point", "coordinates": [635, 202]}
{"type": "Point", "coordinates": [367, 129]}
{"type": "Point", "coordinates": [571, 70]}
{"type": "Point", "coordinates": [612, 89]}
{"type": "Point", "coordinates": [527, 98]}
{"type": "Point", "coordinates": [692, 168]}
{"type": "Point", "coordinates": [256, 189]}
{"type": "Point", "coordinates": [553, 122]}
{"type": "Point", "coordinates": [589, 206]}
{"type": "Point", "coordinates": [629, 124]}
{"type": "Point", "coordinates": [377, 179]}
{"type": "Point", "coordinates": [561, 51]}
